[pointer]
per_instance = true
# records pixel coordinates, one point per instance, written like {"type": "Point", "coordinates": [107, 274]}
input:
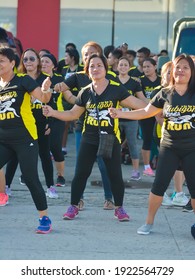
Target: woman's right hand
{"type": "Point", "coordinates": [114, 113]}
{"type": "Point", "coordinates": [47, 111]}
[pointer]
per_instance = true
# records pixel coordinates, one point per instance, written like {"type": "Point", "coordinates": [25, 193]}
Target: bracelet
{"type": "Point", "coordinates": [47, 91]}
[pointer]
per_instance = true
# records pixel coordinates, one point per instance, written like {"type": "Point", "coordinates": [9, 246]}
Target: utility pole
{"type": "Point", "coordinates": [113, 22]}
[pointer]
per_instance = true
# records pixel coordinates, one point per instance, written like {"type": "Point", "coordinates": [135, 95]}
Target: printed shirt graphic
{"type": "Point", "coordinates": [133, 86]}
{"type": "Point", "coordinates": [148, 86]}
{"type": "Point", "coordinates": [178, 129]}
{"type": "Point", "coordinates": [113, 94]}
{"type": "Point", "coordinates": [16, 119]}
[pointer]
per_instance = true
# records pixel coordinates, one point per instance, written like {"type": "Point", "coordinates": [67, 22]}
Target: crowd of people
{"type": "Point", "coordinates": [112, 91]}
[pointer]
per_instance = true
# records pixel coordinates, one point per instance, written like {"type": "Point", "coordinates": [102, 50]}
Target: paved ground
{"type": "Point", "coordinates": [94, 234]}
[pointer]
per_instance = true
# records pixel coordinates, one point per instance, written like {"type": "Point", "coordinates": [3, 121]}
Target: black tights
{"type": "Point", "coordinates": [85, 161]}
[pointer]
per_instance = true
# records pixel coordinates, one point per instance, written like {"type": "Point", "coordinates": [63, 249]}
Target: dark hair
{"type": "Point", "coordinates": [144, 50]}
{"type": "Point", "coordinates": [52, 58]}
{"type": "Point", "coordinates": [71, 45]}
{"type": "Point", "coordinates": [131, 52]}
{"type": "Point", "coordinates": [117, 53]}
{"type": "Point", "coordinates": [124, 57]}
{"type": "Point", "coordinates": [21, 67]}
{"type": "Point", "coordinates": [8, 52]}
{"type": "Point", "coordinates": [108, 49]}
{"type": "Point", "coordinates": [45, 50]}
{"type": "Point", "coordinates": [151, 60]}
{"type": "Point", "coordinates": [103, 59]}
{"type": "Point", "coordinates": [191, 84]}
{"type": "Point", "coordinates": [73, 53]}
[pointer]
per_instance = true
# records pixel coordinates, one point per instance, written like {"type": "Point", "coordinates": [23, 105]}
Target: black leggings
{"type": "Point", "coordinates": [84, 165]}
{"type": "Point", "coordinates": [27, 155]}
{"type": "Point", "coordinates": [56, 136]}
{"type": "Point", "coordinates": [168, 161]}
{"type": "Point", "coordinates": [147, 128]}
{"type": "Point", "coordinates": [44, 153]}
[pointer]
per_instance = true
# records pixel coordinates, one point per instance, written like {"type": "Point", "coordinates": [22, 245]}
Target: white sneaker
{"type": "Point", "coordinates": [8, 191]}
{"type": "Point", "coordinates": [167, 201]}
{"type": "Point", "coordinates": [52, 193]}
{"type": "Point", "coordinates": [180, 199]}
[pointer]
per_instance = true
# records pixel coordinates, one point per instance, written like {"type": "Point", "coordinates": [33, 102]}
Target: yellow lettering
{"type": "Point", "coordinates": [9, 115]}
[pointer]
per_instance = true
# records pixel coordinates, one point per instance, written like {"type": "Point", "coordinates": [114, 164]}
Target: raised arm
{"type": "Point", "coordinates": [144, 113]}
{"type": "Point", "coordinates": [68, 115]}
{"type": "Point", "coordinates": [133, 102]}
{"type": "Point", "coordinates": [44, 93]}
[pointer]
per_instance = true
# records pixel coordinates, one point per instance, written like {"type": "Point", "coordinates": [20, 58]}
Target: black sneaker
{"type": "Point", "coordinates": [21, 179]}
{"type": "Point", "coordinates": [60, 181]}
{"type": "Point", "coordinates": [188, 208]}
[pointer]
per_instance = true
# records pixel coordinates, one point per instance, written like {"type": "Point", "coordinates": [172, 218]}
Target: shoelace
{"type": "Point", "coordinates": [71, 209]}
{"type": "Point", "coordinates": [121, 210]}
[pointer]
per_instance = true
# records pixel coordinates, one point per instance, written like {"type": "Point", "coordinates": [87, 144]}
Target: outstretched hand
{"type": "Point", "coordinates": [114, 113]}
{"type": "Point", "coordinates": [47, 111]}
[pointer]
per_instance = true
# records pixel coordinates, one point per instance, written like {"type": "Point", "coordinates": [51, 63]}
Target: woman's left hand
{"type": "Point", "coordinates": [46, 84]}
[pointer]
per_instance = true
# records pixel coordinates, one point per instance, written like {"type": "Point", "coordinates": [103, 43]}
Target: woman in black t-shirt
{"type": "Point", "coordinates": [107, 94]}
{"type": "Point", "coordinates": [177, 103]}
{"type": "Point", "coordinates": [18, 132]}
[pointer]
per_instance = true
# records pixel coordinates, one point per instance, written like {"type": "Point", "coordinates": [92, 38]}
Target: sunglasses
{"type": "Point", "coordinates": [31, 58]}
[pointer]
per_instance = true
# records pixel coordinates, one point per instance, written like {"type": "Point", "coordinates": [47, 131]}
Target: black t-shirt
{"type": "Point", "coordinates": [132, 86]}
{"type": "Point", "coordinates": [36, 106]}
{"type": "Point", "coordinates": [16, 119]}
{"type": "Point", "coordinates": [148, 86]}
{"type": "Point", "coordinates": [178, 128]}
{"type": "Point", "coordinates": [113, 94]}
{"type": "Point", "coordinates": [80, 80]}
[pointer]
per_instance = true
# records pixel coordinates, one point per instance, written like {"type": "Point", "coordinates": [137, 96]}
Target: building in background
{"type": "Point", "coordinates": [52, 24]}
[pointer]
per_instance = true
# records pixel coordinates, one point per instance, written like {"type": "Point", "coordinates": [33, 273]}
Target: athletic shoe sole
{"type": "Point", "coordinates": [43, 232]}
{"type": "Point", "coordinates": [1, 205]}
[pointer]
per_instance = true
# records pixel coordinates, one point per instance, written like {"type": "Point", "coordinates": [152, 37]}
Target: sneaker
{"type": "Point", "coordinates": [149, 172]}
{"type": "Point", "coordinates": [52, 193]}
{"type": "Point", "coordinates": [3, 199]}
{"type": "Point", "coordinates": [8, 191]}
{"type": "Point", "coordinates": [167, 201]}
{"type": "Point", "coordinates": [45, 225]}
{"type": "Point", "coordinates": [108, 205]}
{"type": "Point", "coordinates": [121, 214]}
{"type": "Point", "coordinates": [71, 213]}
{"type": "Point", "coordinates": [188, 208]}
{"type": "Point", "coordinates": [21, 179]}
{"type": "Point", "coordinates": [145, 229]}
{"type": "Point", "coordinates": [135, 175]}
{"type": "Point", "coordinates": [60, 181]}
{"type": "Point", "coordinates": [180, 199]}
{"type": "Point", "coordinates": [81, 205]}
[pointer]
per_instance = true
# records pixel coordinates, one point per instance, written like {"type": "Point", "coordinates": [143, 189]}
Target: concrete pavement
{"type": "Point", "coordinates": [94, 234]}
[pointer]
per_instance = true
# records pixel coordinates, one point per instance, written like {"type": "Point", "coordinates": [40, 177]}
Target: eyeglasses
{"type": "Point", "coordinates": [31, 58]}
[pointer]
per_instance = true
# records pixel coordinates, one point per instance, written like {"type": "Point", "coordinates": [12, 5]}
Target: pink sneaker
{"type": "Point", "coordinates": [121, 214]}
{"type": "Point", "coordinates": [149, 172]}
{"type": "Point", "coordinates": [3, 199]}
{"type": "Point", "coordinates": [71, 213]}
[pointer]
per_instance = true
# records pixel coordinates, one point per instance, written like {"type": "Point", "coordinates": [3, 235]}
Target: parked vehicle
{"type": "Point", "coordinates": [184, 36]}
